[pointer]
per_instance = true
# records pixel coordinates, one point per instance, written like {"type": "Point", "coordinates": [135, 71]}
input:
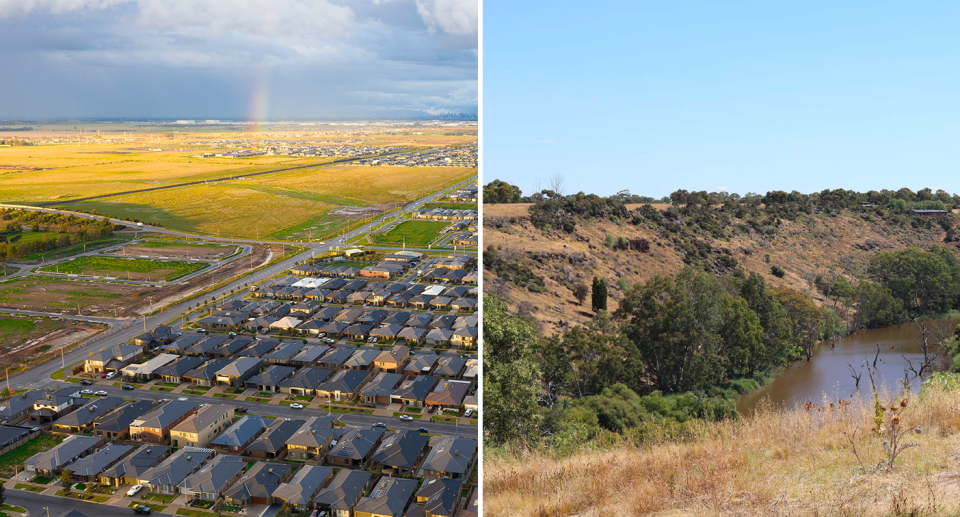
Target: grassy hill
{"type": "Point", "coordinates": [807, 246]}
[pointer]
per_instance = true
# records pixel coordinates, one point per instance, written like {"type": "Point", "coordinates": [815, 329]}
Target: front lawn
{"type": "Point", "coordinates": [13, 460]}
{"type": "Point", "coordinates": [163, 498]}
{"type": "Point", "coordinates": [29, 488]}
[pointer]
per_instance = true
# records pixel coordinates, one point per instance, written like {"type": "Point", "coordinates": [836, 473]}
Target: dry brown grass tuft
{"type": "Point", "coordinates": [780, 463]}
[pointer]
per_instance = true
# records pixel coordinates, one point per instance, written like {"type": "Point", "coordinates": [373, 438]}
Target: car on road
{"type": "Point", "coordinates": [379, 424]}
{"type": "Point", "coordinates": [127, 387]}
{"type": "Point", "coordinates": [142, 509]}
{"type": "Point", "coordinates": [101, 393]}
{"type": "Point", "coordinates": [423, 430]}
{"type": "Point", "coordinates": [134, 489]}
{"type": "Point", "coordinates": [201, 330]}
{"type": "Point", "coordinates": [86, 392]}
{"type": "Point", "coordinates": [296, 406]}
{"type": "Point", "coordinates": [240, 409]}
{"type": "Point", "coordinates": [406, 418]}
{"type": "Point", "coordinates": [85, 382]}
{"type": "Point", "coordinates": [182, 399]}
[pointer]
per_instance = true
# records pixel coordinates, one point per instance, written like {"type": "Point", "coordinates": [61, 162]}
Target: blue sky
{"type": "Point", "coordinates": [738, 96]}
{"type": "Point", "coordinates": [237, 58]}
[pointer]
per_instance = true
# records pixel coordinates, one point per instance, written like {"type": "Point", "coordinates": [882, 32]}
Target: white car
{"type": "Point", "coordinates": [406, 418]}
{"type": "Point", "coordinates": [134, 489]}
{"type": "Point", "coordinates": [86, 392]}
{"type": "Point", "coordinates": [101, 393]}
{"type": "Point", "coordinates": [111, 375]}
{"type": "Point", "coordinates": [296, 406]}
{"type": "Point", "coordinates": [182, 399]}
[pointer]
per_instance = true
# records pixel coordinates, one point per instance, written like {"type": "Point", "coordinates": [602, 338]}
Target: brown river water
{"type": "Point", "coordinates": [827, 373]}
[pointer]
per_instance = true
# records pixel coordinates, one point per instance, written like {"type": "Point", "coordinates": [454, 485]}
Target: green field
{"type": "Point", "coordinates": [14, 459]}
{"type": "Point", "coordinates": [412, 232]}
{"type": "Point", "coordinates": [132, 269]}
{"type": "Point", "coordinates": [73, 249]}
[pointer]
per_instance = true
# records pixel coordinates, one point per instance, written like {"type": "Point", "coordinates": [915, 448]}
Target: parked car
{"type": "Point", "coordinates": [134, 489]}
{"type": "Point", "coordinates": [296, 406]}
{"type": "Point", "coordinates": [86, 392]}
{"type": "Point", "coordinates": [322, 334]}
{"type": "Point", "coordinates": [85, 382]}
{"type": "Point", "coordinates": [142, 509]}
{"type": "Point", "coordinates": [111, 375]}
{"type": "Point", "coordinates": [467, 413]}
{"type": "Point", "coordinates": [101, 393]}
{"type": "Point", "coordinates": [406, 418]}
{"type": "Point", "coordinates": [103, 375]}
{"type": "Point", "coordinates": [201, 330]}
{"type": "Point", "coordinates": [127, 387]}
{"type": "Point", "coordinates": [379, 424]}
{"type": "Point", "coordinates": [424, 430]}
{"type": "Point", "coordinates": [429, 409]}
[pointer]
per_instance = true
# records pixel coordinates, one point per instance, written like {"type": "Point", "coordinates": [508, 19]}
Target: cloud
{"type": "Point", "coordinates": [456, 17]}
{"type": "Point", "coordinates": [13, 8]}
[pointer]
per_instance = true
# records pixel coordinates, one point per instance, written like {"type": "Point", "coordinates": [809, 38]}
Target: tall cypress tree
{"type": "Point", "coordinates": [599, 295]}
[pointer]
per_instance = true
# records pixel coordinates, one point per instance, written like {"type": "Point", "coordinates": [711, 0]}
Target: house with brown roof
{"type": "Point", "coordinates": [197, 430]}
{"type": "Point", "coordinates": [449, 395]}
{"type": "Point", "coordinates": [392, 360]}
{"type": "Point", "coordinates": [155, 426]}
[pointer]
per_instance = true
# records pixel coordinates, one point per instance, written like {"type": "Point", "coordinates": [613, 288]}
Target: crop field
{"type": "Point", "coordinates": [296, 205]}
{"type": "Point", "coordinates": [131, 269]}
{"type": "Point", "coordinates": [412, 232]}
{"type": "Point", "coordinates": [74, 172]}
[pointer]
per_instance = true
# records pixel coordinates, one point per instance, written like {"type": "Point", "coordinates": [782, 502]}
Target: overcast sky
{"type": "Point", "coordinates": [249, 59]}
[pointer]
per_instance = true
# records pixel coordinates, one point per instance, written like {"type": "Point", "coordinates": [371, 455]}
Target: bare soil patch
{"type": "Point", "coordinates": [177, 252]}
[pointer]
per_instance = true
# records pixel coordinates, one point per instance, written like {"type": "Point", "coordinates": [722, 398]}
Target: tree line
{"type": "Point", "coordinates": [68, 230]}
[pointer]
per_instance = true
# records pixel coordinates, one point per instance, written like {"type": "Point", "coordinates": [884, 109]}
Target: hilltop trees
{"type": "Point", "coordinates": [498, 191]}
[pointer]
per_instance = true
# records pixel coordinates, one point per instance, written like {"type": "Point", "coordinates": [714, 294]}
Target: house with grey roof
{"type": "Point", "coordinates": [205, 345]}
{"type": "Point", "coordinates": [326, 313]}
{"type": "Point", "coordinates": [449, 367]}
{"type": "Point", "coordinates": [166, 477]}
{"type": "Point", "coordinates": [174, 371]}
{"type": "Point", "coordinates": [270, 378]}
{"type": "Point", "coordinates": [344, 385]}
{"type": "Point", "coordinates": [305, 381]}
{"type": "Point", "coordinates": [128, 470]}
{"type": "Point", "coordinates": [390, 496]}
{"type": "Point", "coordinates": [159, 336]}
{"type": "Point", "coordinates": [395, 318]}
{"type": "Point", "coordinates": [51, 462]}
{"type": "Point", "coordinates": [206, 373]}
{"type": "Point", "coordinates": [89, 467]}
{"type": "Point", "coordinates": [155, 426]}
{"type": "Point", "coordinates": [437, 498]}
{"type": "Point", "coordinates": [450, 458]}
{"type": "Point", "coordinates": [54, 404]}
{"type": "Point", "coordinates": [411, 335]}
{"type": "Point", "coordinates": [343, 492]}
{"type": "Point", "coordinates": [209, 483]}
{"type": "Point", "coordinates": [438, 337]}
{"type": "Point", "coordinates": [421, 364]}
{"type": "Point", "coordinates": [400, 454]}
{"type": "Point", "coordinates": [259, 348]}
{"type": "Point", "coordinates": [230, 348]}
{"type": "Point", "coordinates": [113, 359]}
{"type": "Point", "coordinates": [464, 337]}
{"type": "Point", "coordinates": [312, 440]}
{"type": "Point", "coordinates": [240, 435]}
{"type": "Point", "coordinates": [334, 358]}
{"type": "Point", "coordinates": [82, 419]}
{"type": "Point", "coordinates": [258, 484]}
{"type": "Point", "coordinates": [116, 424]}
{"type": "Point", "coordinates": [361, 359]}
{"type": "Point", "coordinates": [181, 343]}
{"type": "Point", "coordinates": [272, 444]}
{"type": "Point", "coordinates": [413, 392]}
{"type": "Point", "coordinates": [355, 447]}
{"type": "Point", "coordinates": [298, 492]}
{"type": "Point", "coordinates": [17, 407]}
{"type": "Point", "coordinates": [282, 354]}
{"type": "Point", "coordinates": [378, 390]}
{"type": "Point", "coordinates": [238, 371]}
{"type": "Point", "coordinates": [309, 354]}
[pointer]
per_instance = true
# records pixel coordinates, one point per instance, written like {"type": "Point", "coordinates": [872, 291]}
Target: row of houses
{"type": "Point", "coordinates": [445, 214]}
{"type": "Point", "coordinates": [468, 194]}
{"type": "Point", "coordinates": [343, 291]}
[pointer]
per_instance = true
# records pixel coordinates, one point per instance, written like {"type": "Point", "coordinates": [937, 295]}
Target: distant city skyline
{"type": "Point", "coordinates": [736, 96]}
{"type": "Point", "coordinates": [247, 60]}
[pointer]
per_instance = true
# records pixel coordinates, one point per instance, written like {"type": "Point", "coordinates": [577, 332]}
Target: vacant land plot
{"type": "Point", "coordinates": [15, 458]}
{"type": "Point", "coordinates": [131, 269]}
{"type": "Point", "coordinates": [15, 330]}
{"type": "Point", "coordinates": [73, 249]}
{"type": "Point", "coordinates": [412, 232]}
{"type": "Point", "coordinates": [44, 294]}
{"type": "Point", "coordinates": [178, 250]}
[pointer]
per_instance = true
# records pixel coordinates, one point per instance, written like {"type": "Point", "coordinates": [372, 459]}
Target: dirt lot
{"type": "Point", "coordinates": [174, 251]}
{"type": "Point", "coordinates": [63, 296]}
{"type": "Point", "coordinates": [29, 341]}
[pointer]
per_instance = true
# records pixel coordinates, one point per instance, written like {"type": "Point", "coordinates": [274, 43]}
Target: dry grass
{"type": "Point", "coordinates": [796, 462]}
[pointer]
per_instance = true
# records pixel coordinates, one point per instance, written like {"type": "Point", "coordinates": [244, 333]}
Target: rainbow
{"type": "Point", "coordinates": [259, 109]}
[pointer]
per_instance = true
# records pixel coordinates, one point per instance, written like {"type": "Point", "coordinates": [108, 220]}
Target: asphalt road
{"type": "Point", "coordinates": [34, 504]}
